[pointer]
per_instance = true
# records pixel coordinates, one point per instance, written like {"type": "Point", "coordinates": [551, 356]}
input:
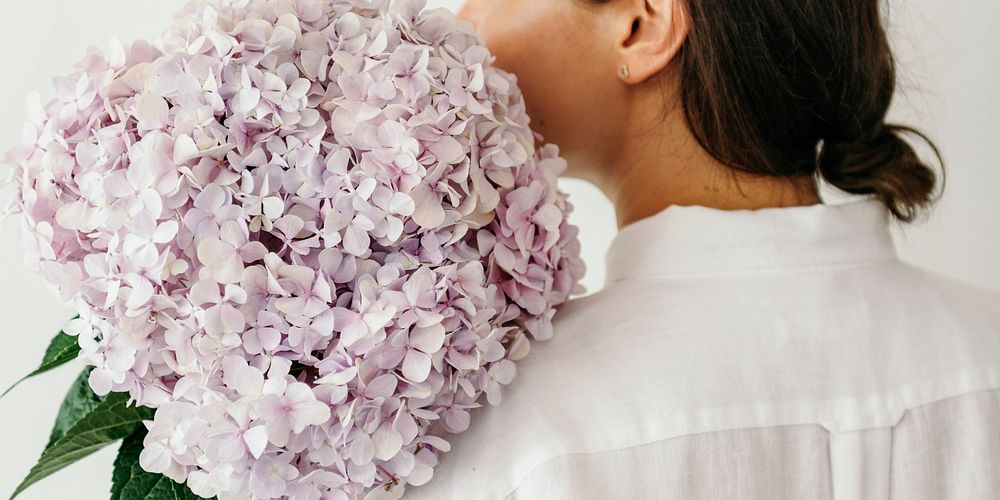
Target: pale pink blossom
{"type": "Point", "coordinates": [291, 412]}
{"type": "Point", "coordinates": [312, 234]}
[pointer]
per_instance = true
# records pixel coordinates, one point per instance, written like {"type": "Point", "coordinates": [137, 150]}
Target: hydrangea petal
{"type": "Point", "coordinates": [351, 191]}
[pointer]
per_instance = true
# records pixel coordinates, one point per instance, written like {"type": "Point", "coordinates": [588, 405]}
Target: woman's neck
{"type": "Point", "coordinates": [641, 191]}
{"type": "Point", "coordinates": [665, 165]}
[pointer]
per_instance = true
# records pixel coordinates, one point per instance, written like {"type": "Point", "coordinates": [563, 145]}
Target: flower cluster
{"type": "Point", "coordinates": [310, 233]}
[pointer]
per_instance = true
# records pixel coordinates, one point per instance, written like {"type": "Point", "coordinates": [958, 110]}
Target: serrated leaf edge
{"type": "Point", "coordinates": [41, 471]}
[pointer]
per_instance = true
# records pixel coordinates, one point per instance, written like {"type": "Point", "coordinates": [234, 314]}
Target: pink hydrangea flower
{"type": "Point", "coordinates": [312, 234]}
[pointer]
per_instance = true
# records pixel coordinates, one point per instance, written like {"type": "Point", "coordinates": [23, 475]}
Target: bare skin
{"type": "Point", "coordinates": [627, 136]}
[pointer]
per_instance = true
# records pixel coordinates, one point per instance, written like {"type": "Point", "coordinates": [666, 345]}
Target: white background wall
{"type": "Point", "coordinates": [949, 58]}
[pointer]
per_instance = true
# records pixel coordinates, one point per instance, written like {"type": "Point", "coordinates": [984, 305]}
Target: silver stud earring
{"type": "Point", "coordinates": [623, 71]}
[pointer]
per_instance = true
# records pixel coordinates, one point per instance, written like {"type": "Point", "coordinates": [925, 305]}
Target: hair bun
{"type": "Point", "coordinates": [883, 163]}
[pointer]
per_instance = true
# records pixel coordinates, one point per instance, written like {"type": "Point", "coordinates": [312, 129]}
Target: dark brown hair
{"type": "Point", "coordinates": [789, 88]}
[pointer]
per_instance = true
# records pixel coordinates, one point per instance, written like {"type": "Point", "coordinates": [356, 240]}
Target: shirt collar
{"type": "Point", "coordinates": [693, 239]}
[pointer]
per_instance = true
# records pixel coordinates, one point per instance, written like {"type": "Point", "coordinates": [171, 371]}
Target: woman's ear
{"type": "Point", "coordinates": [655, 32]}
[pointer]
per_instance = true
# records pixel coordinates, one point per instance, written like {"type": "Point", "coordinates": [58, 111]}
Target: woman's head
{"type": "Point", "coordinates": [770, 88]}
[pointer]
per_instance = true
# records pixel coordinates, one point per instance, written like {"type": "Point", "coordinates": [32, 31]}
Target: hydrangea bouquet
{"type": "Point", "coordinates": [303, 239]}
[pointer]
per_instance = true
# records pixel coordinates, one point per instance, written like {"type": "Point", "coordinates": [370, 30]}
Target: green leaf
{"type": "Point", "coordinates": [130, 482]}
{"type": "Point", "coordinates": [63, 349]}
{"type": "Point", "coordinates": [79, 401]}
{"type": "Point", "coordinates": [84, 429]}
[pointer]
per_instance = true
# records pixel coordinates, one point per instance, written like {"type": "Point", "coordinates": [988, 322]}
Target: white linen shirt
{"type": "Point", "coordinates": [780, 353]}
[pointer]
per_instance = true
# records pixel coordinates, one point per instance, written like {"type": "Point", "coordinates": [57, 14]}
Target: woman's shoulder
{"type": "Point", "coordinates": [656, 359]}
{"type": "Point", "coordinates": [956, 312]}
{"type": "Point", "coordinates": [894, 293]}
{"type": "Point", "coordinates": [861, 333]}
{"type": "Point", "coordinates": [952, 291]}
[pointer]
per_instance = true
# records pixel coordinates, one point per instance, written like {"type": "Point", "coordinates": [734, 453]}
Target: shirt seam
{"type": "Point", "coordinates": [547, 461]}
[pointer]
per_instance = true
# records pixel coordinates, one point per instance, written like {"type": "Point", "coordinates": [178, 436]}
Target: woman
{"type": "Point", "coordinates": [751, 342]}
